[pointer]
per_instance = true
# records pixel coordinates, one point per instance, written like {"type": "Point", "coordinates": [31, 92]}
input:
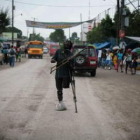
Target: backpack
{"type": "Point", "coordinates": [12, 52]}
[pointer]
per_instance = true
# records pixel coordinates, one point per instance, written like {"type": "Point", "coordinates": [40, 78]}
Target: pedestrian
{"type": "Point", "coordinates": [19, 54]}
{"type": "Point", "coordinates": [120, 60]}
{"type": "Point", "coordinates": [25, 51]}
{"type": "Point", "coordinates": [5, 52]}
{"type": "Point", "coordinates": [103, 57]}
{"type": "Point", "coordinates": [12, 53]}
{"type": "Point", "coordinates": [99, 57]}
{"type": "Point", "coordinates": [108, 60]}
{"type": "Point", "coordinates": [128, 58]}
{"type": "Point", "coordinates": [134, 65]}
{"type": "Point", "coordinates": [115, 61]}
{"type": "Point", "coordinates": [63, 73]}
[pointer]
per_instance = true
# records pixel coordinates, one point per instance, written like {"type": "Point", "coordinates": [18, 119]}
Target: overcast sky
{"type": "Point", "coordinates": [65, 12]}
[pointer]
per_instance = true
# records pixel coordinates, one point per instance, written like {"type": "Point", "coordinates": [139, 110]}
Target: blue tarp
{"type": "Point", "coordinates": [102, 45]}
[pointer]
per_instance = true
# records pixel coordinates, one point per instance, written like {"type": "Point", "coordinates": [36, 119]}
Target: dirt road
{"type": "Point", "coordinates": [108, 105]}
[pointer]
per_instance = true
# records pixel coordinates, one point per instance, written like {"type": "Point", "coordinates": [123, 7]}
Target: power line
{"type": "Point", "coordinates": [64, 6]}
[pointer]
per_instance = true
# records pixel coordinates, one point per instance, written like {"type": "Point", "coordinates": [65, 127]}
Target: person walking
{"type": "Point", "coordinates": [128, 58]}
{"type": "Point", "coordinates": [134, 65]}
{"type": "Point", "coordinates": [120, 60]}
{"type": "Point", "coordinates": [115, 61]}
{"type": "Point", "coordinates": [19, 54]}
{"type": "Point", "coordinates": [108, 60]}
{"type": "Point", "coordinates": [12, 53]}
{"type": "Point", "coordinates": [103, 58]}
{"type": "Point", "coordinates": [63, 73]}
{"type": "Point", "coordinates": [5, 52]}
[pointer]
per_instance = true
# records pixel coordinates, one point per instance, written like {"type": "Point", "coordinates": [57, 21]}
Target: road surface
{"type": "Point", "coordinates": [108, 105]}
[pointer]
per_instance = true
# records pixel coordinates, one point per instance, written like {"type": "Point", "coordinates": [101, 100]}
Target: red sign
{"type": "Point", "coordinates": [121, 33]}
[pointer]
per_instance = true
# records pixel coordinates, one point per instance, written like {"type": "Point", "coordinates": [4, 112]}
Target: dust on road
{"type": "Point", "coordinates": [108, 105]}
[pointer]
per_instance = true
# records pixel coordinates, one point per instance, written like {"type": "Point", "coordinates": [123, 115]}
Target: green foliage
{"type": "Point", "coordinates": [134, 24]}
{"type": "Point", "coordinates": [107, 28]}
{"type": "Point", "coordinates": [57, 36]}
{"type": "Point", "coordinates": [37, 37]}
{"type": "Point", "coordinates": [4, 19]}
{"type": "Point", "coordinates": [74, 38]}
{"type": "Point", "coordinates": [101, 33]}
{"type": "Point", "coordinates": [95, 35]}
{"type": "Point", "coordinates": [15, 30]}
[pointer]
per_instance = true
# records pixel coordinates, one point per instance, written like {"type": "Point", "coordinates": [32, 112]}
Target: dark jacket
{"type": "Point", "coordinates": [63, 71]}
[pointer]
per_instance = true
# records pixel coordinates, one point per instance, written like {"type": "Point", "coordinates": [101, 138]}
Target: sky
{"type": "Point", "coordinates": [56, 11]}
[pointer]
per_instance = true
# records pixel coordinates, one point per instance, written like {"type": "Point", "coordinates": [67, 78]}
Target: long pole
{"type": "Point", "coordinates": [12, 22]}
{"type": "Point", "coordinates": [122, 16]}
{"type": "Point", "coordinates": [69, 33]}
{"type": "Point", "coordinates": [138, 4]}
{"type": "Point", "coordinates": [118, 21]}
{"type": "Point", "coordinates": [34, 30]}
{"type": "Point", "coordinates": [81, 29]}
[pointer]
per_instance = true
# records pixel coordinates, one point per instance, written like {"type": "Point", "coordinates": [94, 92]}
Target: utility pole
{"type": "Point", "coordinates": [34, 28]}
{"type": "Point", "coordinates": [81, 29]}
{"type": "Point", "coordinates": [118, 21]}
{"type": "Point", "coordinates": [122, 14]}
{"type": "Point", "coordinates": [13, 8]}
{"type": "Point", "coordinates": [69, 33]}
{"type": "Point", "coordinates": [138, 4]}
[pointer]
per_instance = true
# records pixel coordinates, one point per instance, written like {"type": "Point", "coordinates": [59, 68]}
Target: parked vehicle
{"type": "Point", "coordinates": [35, 49]}
{"type": "Point", "coordinates": [86, 61]}
{"type": "Point", "coordinates": [45, 50]}
{"type": "Point", "coordinates": [53, 48]}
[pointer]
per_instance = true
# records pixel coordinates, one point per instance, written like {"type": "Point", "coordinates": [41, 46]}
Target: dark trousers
{"type": "Point", "coordinates": [60, 84]}
{"type": "Point", "coordinates": [5, 58]}
{"type": "Point", "coordinates": [128, 64]}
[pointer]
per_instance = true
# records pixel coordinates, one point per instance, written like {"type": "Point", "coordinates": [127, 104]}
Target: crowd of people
{"type": "Point", "coordinates": [11, 55]}
{"type": "Point", "coordinates": [119, 60]}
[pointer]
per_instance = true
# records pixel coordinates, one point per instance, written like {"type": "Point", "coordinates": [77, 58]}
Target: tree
{"type": "Point", "coordinates": [57, 36]}
{"type": "Point", "coordinates": [107, 28]}
{"type": "Point", "coordinates": [4, 19]}
{"type": "Point", "coordinates": [134, 24]}
{"type": "Point", "coordinates": [37, 37]}
{"type": "Point", "coordinates": [95, 35]}
{"type": "Point", "coordinates": [15, 30]}
{"type": "Point", "coordinates": [73, 37]}
{"type": "Point", "coordinates": [101, 33]}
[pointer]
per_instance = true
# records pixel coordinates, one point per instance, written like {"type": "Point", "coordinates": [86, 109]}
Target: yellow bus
{"type": "Point", "coordinates": [35, 49]}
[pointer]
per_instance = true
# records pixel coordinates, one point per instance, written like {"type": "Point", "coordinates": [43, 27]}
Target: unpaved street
{"type": "Point", "coordinates": [108, 105]}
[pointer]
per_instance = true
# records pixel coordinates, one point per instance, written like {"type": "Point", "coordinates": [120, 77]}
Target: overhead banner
{"type": "Point", "coordinates": [53, 25]}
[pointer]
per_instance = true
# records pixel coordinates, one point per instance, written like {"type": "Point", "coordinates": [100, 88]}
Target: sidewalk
{"type": "Point", "coordinates": [23, 60]}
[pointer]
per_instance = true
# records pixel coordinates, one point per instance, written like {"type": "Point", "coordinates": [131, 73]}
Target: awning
{"type": "Point", "coordinates": [54, 25]}
{"type": "Point", "coordinates": [137, 39]}
{"type": "Point", "coordinates": [2, 39]}
{"type": "Point", "coordinates": [102, 45]}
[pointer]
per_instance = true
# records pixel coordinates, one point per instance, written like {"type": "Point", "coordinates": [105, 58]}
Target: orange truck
{"type": "Point", "coordinates": [35, 49]}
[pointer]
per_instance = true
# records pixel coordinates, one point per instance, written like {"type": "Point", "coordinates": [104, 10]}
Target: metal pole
{"type": "Point", "coordinates": [138, 4]}
{"type": "Point", "coordinates": [122, 16]}
{"type": "Point", "coordinates": [69, 33]}
{"type": "Point", "coordinates": [81, 29]}
{"type": "Point", "coordinates": [12, 22]}
{"type": "Point", "coordinates": [118, 21]}
{"type": "Point", "coordinates": [34, 31]}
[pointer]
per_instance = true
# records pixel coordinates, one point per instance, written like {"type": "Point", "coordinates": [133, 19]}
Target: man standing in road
{"type": "Point", "coordinates": [63, 73]}
{"type": "Point", "coordinates": [12, 53]}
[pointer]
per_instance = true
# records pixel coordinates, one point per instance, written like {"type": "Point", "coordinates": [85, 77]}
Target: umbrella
{"type": "Point", "coordinates": [116, 48]}
{"type": "Point", "coordinates": [136, 50]}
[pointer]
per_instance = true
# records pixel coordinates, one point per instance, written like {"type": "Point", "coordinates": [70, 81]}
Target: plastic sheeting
{"type": "Point", "coordinates": [100, 46]}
